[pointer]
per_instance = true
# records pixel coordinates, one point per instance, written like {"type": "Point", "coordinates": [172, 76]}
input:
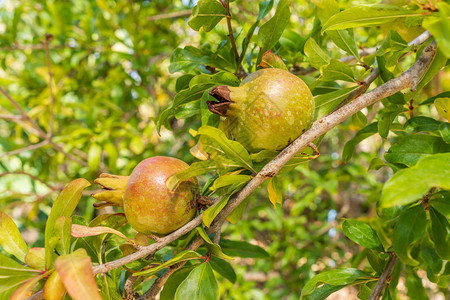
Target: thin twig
{"type": "Point", "coordinates": [376, 293]}
{"type": "Point", "coordinates": [23, 113]}
{"type": "Point", "coordinates": [128, 288]}
{"type": "Point", "coordinates": [177, 14]}
{"type": "Point", "coordinates": [230, 33]}
{"type": "Point", "coordinates": [35, 178]}
{"type": "Point", "coordinates": [27, 148]}
{"type": "Point", "coordinates": [67, 154]}
{"type": "Point", "coordinates": [48, 38]}
{"type": "Point", "coordinates": [375, 72]}
{"type": "Point", "coordinates": [10, 117]}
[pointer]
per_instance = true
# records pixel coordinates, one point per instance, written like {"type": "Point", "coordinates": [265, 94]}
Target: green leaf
{"type": "Point", "coordinates": [317, 57]}
{"type": "Point", "coordinates": [174, 281]}
{"type": "Point", "coordinates": [362, 234]}
{"type": "Point", "coordinates": [411, 148]}
{"type": "Point", "coordinates": [194, 169]}
{"type": "Point", "coordinates": [367, 15]}
{"type": "Point", "coordinates": [339, 277]}
{"type": "Point", "coordinates": [327, 102]}
{"type": "Point", "coordinates": [182, 256]}
{"type": "Point", "coordinates": [94, 155]}
{"type": "Point", "coordinates": [237, 213]}
{"type": "Point", "coordinates": [215, 249]}
{"type": "Point", "coordinates": [363, 134]}
{"type": "Point", "coordinates": [408, 185]}
{"type": "Point", "coordinates": [385, 122]}
{"type": "Point", "coordinates": [376, 164]}
{"type": "Point", "coordinates": [64, 205]}
{"type": "Point", "coordinates": [439, 27]}
{"type": "Point", "coordinates": [213, 211]}
{"type": "Point", "coordinates": [345, 40]}
{"type": "Point", "coordinates": [232, 149]}
{"type": "Point", "coordinates": [440, 234]}
{"type": "Point", "coordinates": [242, 249]}
{"type": "Point", "coordinates": [274, 191]}
{"type": "Point", "coordinates": [200, 284]}
{"type": "Point", "coordinates": [337, 70]}
{"type": "Point", "coordinates": [76, 273]}
{"type": "Point", "coordinates": [24, 290]}
{"type": "Point", "coordinates": [414, 285]}
{"type": "Point", "coordinates": [270, 32]}
{"type": "Point", "coordinates": [421, 124]}
{"type": "Point", "coordinates": [61, 232]}
{"type": "Point", "coordinates": [409, 228]}
{"type": "Point", "coordinates": [206, 14]}
{"type": "Point", "coordinates": [230, 179]}
{"type": "Point", "coordinates": [10, 238]}
{"type": "Point", "coordinates": [186, 59]}
{"type": "Point", "coordinates": [223, 78]}
{"type": "Point", "coordinates": [444, 130]}
{"type": "Point", "coordinates": [224, 268]}
{"type": "Point", "coordinates": [441, 202]}
{"type": "Point", "coordinates": [324, 291]}
{"type": "Point", "coordinates": [13, 275]}
{"type": "Point", "coordinates": [443, 107]}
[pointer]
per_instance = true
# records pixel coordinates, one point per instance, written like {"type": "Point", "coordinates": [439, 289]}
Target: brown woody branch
{"type": "Point", "coordinates": [376, 293]}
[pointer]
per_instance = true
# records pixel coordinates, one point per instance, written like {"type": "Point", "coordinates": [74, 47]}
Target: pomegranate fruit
{"type": "Point", "coordinates": [270, 109]}
{"type": "Point", "coordinates": [150, 207]}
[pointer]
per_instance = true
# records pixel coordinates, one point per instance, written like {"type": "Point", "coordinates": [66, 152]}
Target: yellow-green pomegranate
{"type": "Point", "coordinates": [270, 109]}
{"type": "Point", "coordinates": [150, 207]}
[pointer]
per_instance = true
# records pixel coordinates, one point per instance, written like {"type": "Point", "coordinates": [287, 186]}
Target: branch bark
{"type": "Point", "coordinates": [376, 293]}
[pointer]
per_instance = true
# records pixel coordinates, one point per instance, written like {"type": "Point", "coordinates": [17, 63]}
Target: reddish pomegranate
{"type": "Point", "coordinates": [270, 109]}
{"type": "Point", "coordinates": [150, 207]}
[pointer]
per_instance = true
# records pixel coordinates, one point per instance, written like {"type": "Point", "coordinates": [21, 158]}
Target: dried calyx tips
{"type": "Point", "coordinates": [222, 94]}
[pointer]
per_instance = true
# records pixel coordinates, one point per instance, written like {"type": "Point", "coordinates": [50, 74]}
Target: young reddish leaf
{"type": "Point", "coordinates": [75, 270]}
{"type": "Point", "coordinates": [35, 258]}
{"type": "Point", "coordinates": [54, 288]}
{"type": "Point", "coordinates": [275, 195]}
{"type": "Point", "coordinates": [64, 205]}
{"type": "Point", "coordinates": [24, 290]}
{"type": "Point", "coordinates": [79, 231]}
{"type": "Point", "coordinates": [10, 238]}
{"type": "Point", "coordinates": [271, 60]}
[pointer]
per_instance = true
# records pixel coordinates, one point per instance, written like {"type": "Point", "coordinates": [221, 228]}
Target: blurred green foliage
{"type": "Point", "coordinates": [110, 63]}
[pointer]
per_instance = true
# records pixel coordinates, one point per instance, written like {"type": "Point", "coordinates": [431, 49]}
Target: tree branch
{"type": "Point", "coordinates": [376, 293]}
{"type": "Point", "coordinates": [35, 178]}
{"type": "Point", "coordinates": [177, 14]}
{"type": "Point", "coordinates": [27, 148]}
